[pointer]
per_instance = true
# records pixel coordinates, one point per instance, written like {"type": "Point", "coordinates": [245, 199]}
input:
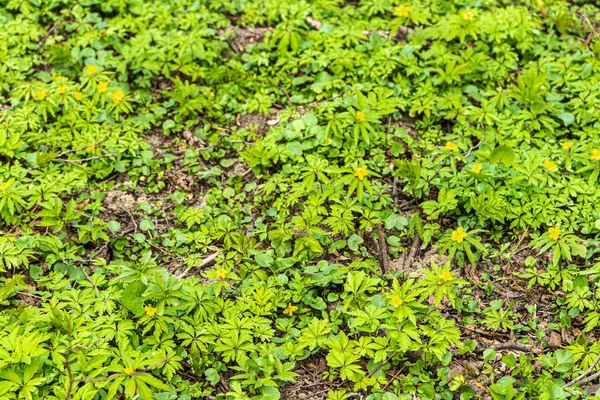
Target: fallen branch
{"type": "Point", "coordinates": [84, 159]}
{"type": "Point", "coordinates": [375, 244]}
{"type": "Point", "coordinates": [87, 276]}
{"type": "Point", "coordinates": [382, 364]}
{"type": "Point", "coordinates": [581, 377]}
{"type": "Point", "coordinates": [593, 389]}
{"type": "Point", "coordinates": [385, 261]}
{"type": "Point", "coordinates": [587, 21]}
{"type": "Point", "coordinates": [468, 153]}
{"type": "Point", "coordinates": [206, 262]}
{"type": "Point", "coordinates": [484, 333]}
{"type": "Point", "coordinates": [413, 251]}
{"type": "Point", "coordinates": [395, 191]}
{"type": "Point", "coordinates": [505, 346]}
{"type": "Point", "coordinates": [62, 153]}
{"type": "Point", "coordinates": [57, 24]}
{"type": "Point", "coordinates": [514, 346]}
{"type": "Point", "coordinates": [406, 205]}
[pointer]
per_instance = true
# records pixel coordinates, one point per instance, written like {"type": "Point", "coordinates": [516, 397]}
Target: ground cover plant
{"type": "Point", "coordinates": [370, 199]}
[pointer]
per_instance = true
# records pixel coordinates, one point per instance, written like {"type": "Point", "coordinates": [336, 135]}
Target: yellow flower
{"type": "Point", "coordinates": [57, 78]}
{"type": "Point", "coordinates": [458, 235]}
{"type": "Point", "coordinates": [467, 15]}
{"type": "Point", "coordinates": [102, 87]}
{"type": "Point", "coordinates": [6, 185]}
{"type": "Point", "coordinates": [222, 273]}
{"type": "Point", "coordinates": [360, 116]}
{"type": "Point", "coordinates": [554, 232]}
{"type": "Point", "coordinates": [150, 311]}
{"type": "Point", "coordinates": [550, 165]}
{"type": "Point", "coordinates": [446, 275]}
{"type": "Point", "coordinates": [451, 146]}
{"type": "Point", "coordinates": [566, 145]}
{"type": "Point", "coordinates": [361, 172]}
{"type": "Point", "coordinates": [62, 89]}
{"type": "Point", "coordinates": [118, 96]}
{"type": "Point", "coordinates": [128, 370]}
{"type": "Point", "coordinates": [91, 147]}
{"type": "Point", "coordinates": [595, 155]}
{"type": "Point", "coordinates": [91, 69]}
{"type": "Point", "coordinates": [396, 300]}
{"type": "Point", "coordinates": [78, 96]}
{"type": "Point", "coordinates": [403, 11]}
{"type": "Point", "coordinates": [290, 309]}
{"type": "Point", "coordinates": [476, 168]}
{"type": "Point", "coordinates": [40, 94]}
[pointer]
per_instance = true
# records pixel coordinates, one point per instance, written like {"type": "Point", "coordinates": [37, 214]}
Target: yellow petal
{"type": "Point", "coordinates": [290, 309]}
{"type": "Point", "coordinates": [446, 275]}
{"type": "Point", "coordinates": [91, 69]}
{"type": "Point", "coordinates": [6, 185]}
{"type": "Point", "coordinates": [451, 146]}
{"type": "Point", "coordinates": [467, 15]}
{"type": "Point", "coordinates": [476, 168]}
{"type": "Point", "coordinates": [40, 94]}
{"type": "Point", "coordinates": [554, 232]}
{"type": "Point", "coordinates": [102, 87]}
{"type": "Point", "coordinates": [118, 96]}
{"type": "Point", "coordinates": [361, 172]}
{"type": "Point", "coordinates": [458, 235]}
{"type": "Point", "coordinates": [403, 11]}
{"type": "Point", "coordinates": [396, 300]}
{"type": "Point", "coordinates": [222, 273]}
{"type": "Point", "coordinates": [150, 311]}
{"type": "Point", "coordinates": [550, 165]}
{"type": "Point", "coordinates": [566, 145]}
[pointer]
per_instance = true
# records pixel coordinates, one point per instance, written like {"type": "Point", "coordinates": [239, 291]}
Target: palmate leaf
{"type": "Point", "coordinates": [152, 381]}
{"type": "Point", "coordinates": [315, 334]}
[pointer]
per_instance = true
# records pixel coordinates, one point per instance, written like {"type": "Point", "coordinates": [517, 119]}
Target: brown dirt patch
{"type": "Point", "coordinates": [259, 122]}
{"type": "Point", "coordinates": [239, 38]}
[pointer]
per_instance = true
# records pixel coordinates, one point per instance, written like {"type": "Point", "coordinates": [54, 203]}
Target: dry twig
{"type": "Point", "coordinates": [581, 377]}
{"type": "Point", "coordinates": [385, 261]}
{"type": "Point", "coordinates": [206, 262]}
{"type": "Point", "coordinates": [57, 24]}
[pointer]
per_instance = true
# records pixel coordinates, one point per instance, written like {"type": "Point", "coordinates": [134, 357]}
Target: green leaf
{"type": "Point", "coordinates": [564, 360]}
{"type": "Point", "coordinates": [393, 241]}
{"type": "Point", "coordinates": [354, 241]}
{"type": "Point", "coordinates": [115, 385]}
{"type": "Point", "coordinates": [390, 221]}
{"type": "Point", "coordinates": [264, 260]}
{"type": "Point", "coordinates": [132, 298]}
{"type": "Point", "coordinates": [146, 225]}
{"type": "Point", "coordinates": [114, 226]}
{"type": "Point", "coordinates": [152, 381]}
{"type": "Point", "coordinates": [168, 124]}
{"type": "Point", "coordinates": [295, 148]}
{"type": "Point", "coordinates": [270, 393]}
{"type": "Point", "coordinates": [503, 154]}
{"type": "Point", "coordinates": [212, 376]}
{"type": "Point", "coordinates": [567, 118]}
